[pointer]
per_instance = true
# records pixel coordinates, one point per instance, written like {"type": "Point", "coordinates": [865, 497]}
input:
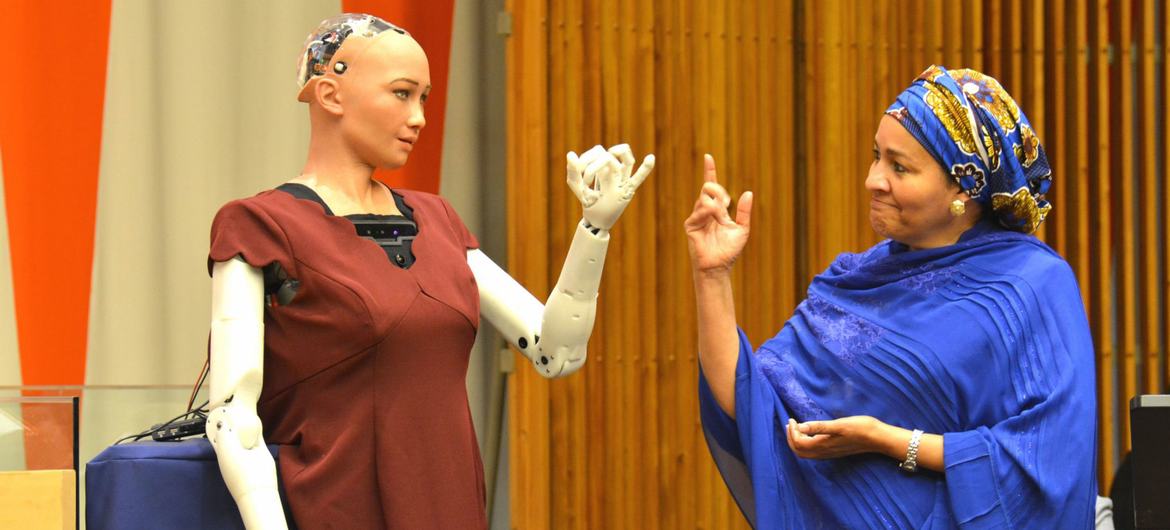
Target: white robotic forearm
{"type": "Point", "coordinates": [553, 336]}
{"type": "Point", "coordinates": [237, 364]}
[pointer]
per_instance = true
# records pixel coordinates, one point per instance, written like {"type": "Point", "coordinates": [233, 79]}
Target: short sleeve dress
{"type": "Point", "coordinates": [364, 368]}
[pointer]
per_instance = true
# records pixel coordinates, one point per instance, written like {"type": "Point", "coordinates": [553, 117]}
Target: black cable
{"type": "Point", "coordinates": [198, 411]}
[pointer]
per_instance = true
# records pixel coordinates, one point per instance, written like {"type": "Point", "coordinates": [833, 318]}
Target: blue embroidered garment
{"type": "Point", "coordinates": [985, 342]}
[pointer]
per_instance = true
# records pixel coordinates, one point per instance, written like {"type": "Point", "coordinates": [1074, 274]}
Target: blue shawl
{"type": "Point", "coordinates": [984, 341]}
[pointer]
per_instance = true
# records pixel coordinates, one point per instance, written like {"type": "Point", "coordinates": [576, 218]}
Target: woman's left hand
{"type": "Point", "coordinates": [835, 438]}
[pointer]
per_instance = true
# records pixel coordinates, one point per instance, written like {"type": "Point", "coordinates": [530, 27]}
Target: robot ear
{"type": "Point", "coordinates": [327, 93]}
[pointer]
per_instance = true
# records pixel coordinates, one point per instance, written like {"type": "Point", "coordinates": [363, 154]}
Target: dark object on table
{"type": "Point", "coordinates": [1149, 422]}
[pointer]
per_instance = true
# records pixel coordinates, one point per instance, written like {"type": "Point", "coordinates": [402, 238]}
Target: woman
{"type": "Point", "coordinates": [944, 377]}
{"type": "Point", "coordinates": [343, 312]}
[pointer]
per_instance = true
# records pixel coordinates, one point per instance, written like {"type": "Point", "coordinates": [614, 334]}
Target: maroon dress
{"type": "Point", "coordinates": [364, 369]}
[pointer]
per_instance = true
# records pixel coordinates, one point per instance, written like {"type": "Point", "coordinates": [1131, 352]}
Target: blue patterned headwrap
{"type": "Point", "coordinates": [975, 130]}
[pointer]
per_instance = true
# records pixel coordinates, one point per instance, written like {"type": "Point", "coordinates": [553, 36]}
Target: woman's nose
{"type": "Point", "coordinates": [876, 182]}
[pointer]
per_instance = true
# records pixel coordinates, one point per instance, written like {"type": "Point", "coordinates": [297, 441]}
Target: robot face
{"type": "Point", "coordinates": [382, 99]}
{"type": "Point", "coordinates": [381, 78]}
{"type": "Point", "coordinates": [326, 41]}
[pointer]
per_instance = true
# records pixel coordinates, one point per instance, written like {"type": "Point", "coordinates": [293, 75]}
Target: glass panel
{"type": "Point", "coordinates": [37, 426]}
{"type": "Point", "coordinates": [38, 459]}
{"type": "Point", "coordinates": [37, 432]}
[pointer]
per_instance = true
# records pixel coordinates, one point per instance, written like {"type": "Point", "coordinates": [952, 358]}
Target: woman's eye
{"type": "Point", "coordinates": [423, 99]}
{"type": "Point", "coordinates": [876, 155]}
{"type": "Point", "coordinates": [402, 94]}
{"type": "Point", "coordinates": [899, 168]}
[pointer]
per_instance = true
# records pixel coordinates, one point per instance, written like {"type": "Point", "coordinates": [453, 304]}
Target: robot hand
{"type": "Point", "coordinates": [602, 181]}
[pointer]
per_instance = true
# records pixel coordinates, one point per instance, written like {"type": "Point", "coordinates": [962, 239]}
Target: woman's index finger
{"type": "Point", "coordinates": [709, 168]}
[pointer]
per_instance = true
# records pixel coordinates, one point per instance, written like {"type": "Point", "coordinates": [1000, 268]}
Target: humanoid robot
{"type": "Point", "coordinates": [343, 80]}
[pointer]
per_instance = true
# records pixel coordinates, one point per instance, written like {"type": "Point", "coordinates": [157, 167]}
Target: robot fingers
{"type": "Point", "coordinates": [630, 182]}
{"type": "Point", "coordinates": [573, 175]}
{"type": "Point", "coordinates": [643, 172]}
{"type": "Point", "coordinates": [624, 155]}
{"type": "Point", "coordinates": [600, 176]}
{"type": "Point", "coordinates": [592, 153]}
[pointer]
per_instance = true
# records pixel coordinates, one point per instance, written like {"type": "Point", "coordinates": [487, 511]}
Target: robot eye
{"type": "Point", "coordinates": [339, 67]}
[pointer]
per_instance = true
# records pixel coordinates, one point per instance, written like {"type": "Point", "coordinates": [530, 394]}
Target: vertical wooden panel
{"type": "Point", "coordinates": [952, 24]}
{"type": "Point", "coordinates": [560, 82]}
{"type": "Point", "coordinates": [1102, 256]}
{"type": "Point", "coordinates": [1013, 73]}
{"type": "Point", "coordinates": [676, 175]}
{"type": "Point", "coordinates": [1164, 160]}
{"type": "Point", "coordinates": [1122, 171]}
{"type": "Point", "coordinates": [973, 23]}
{"type": "Point", "coordinates": [1057, 143]}
{"type": "Point", "coordinates": [909, 44]}
{"type": "Point", "coordinates": [528, 155]}
{"type": "Point", "coordinates": [642, 114]}
{"type": "Point", "coordinates": [1037, 67]}
{"type": "Point", "coordinates": [1081, 64]}
{"type": "Point", "coordinates": [1148, 197]}
{"type": "Point", "coordinates": [826, 197]}
{"type": "Point", "coordinates": [572, 396]}
{"type": "Point", "coordinates": [936, 29]}
{"type": "Point", "coordinates": [1034, 81]}
{"type": "Point", "coordinates": [813, 120]}
{"type": "Point", "coordinates": [600, 399]}
{"type": "Point", "coordinates": [993, 31]}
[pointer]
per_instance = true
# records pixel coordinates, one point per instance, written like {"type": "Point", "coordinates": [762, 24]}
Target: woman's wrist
{"type": "Point", "coordinates": [711, 274]}
{"type": "Point", "coordinates": [891, 441]}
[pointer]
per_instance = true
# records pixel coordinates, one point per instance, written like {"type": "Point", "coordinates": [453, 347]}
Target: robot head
{"type": "Point", "coordinates": [337, 42]}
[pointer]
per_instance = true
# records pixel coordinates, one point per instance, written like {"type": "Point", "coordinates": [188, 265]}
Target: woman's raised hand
{"type": "Point", "coordinates": [714, 239]}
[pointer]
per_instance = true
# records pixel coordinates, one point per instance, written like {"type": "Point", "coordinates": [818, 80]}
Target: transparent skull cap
{"type": "Point", "coordinates": [324, 42]}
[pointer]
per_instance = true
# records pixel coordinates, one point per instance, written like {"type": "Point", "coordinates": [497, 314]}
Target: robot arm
{"type": "Point", "coordinates": [554, 336]}
{"type": "Point", "coordinates": [237, 364]}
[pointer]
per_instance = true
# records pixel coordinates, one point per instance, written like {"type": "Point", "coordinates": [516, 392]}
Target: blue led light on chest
{"type": "Point", "coordinates": [386, 232]}
{"type": "Point", "coordinates": [393, 233]}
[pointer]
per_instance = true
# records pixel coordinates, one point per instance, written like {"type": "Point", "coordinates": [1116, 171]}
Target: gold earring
{"type": "Point", "coordinates": [958, 207]}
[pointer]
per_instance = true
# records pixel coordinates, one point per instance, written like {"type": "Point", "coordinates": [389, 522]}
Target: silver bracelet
{"type": "Point", "coordinates": [910, 465]}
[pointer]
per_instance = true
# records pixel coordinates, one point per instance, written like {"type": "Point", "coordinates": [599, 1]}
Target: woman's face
{"type": "Point", "coordinates": [910, 196]}
{"type": "Point", "coordinates": [383, 101]}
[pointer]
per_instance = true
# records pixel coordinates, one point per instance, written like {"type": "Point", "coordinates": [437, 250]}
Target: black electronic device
{"type": "Point", "coordinates": [1149, 427]}
{"type": "Point", "coordinates": [179, 429]}
{"type": "Point", "coordinates": [385, 230]}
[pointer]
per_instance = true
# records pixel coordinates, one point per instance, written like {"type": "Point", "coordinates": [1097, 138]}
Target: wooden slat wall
{"type": "Point", "coordinates": [786, 94]}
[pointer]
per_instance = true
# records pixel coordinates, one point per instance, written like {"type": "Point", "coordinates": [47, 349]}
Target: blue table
{"type": "Point", "coordinates": [160, 485]}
